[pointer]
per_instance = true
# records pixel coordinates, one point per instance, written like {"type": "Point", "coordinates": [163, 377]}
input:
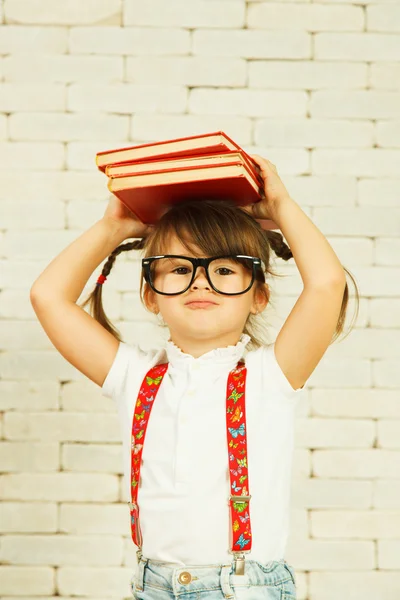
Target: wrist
{"type": "Point", "coordinates": [116, 229]}
{"type": "Point", "coordinates": [277, 204]}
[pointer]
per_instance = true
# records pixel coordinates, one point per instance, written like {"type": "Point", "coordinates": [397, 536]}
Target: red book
{"type": "Point", "coordinates": [196, 145]}
{"type": "Point", "coordinates": [150, 178]}
{"type": "Point", "coordinates": [150, 194]}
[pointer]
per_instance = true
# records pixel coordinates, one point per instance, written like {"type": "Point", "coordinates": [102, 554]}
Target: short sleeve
{"type": "Point", "coordinates": [130, 362]}
{"type": "Point", "coordinates": [276, 376]}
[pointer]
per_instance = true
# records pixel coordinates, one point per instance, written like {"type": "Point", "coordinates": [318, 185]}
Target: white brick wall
{"type": "Point", "coordinates": [314, 87]}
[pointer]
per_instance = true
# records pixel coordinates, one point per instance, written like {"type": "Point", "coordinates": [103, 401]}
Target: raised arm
{"type": "Point", "coordinates": [81, 340]}
{"type": "Point", "coordinates": [310, 326]}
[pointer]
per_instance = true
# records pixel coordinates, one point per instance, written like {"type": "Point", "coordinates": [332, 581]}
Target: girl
{"type": "Point", "coordinates": [207, 421]}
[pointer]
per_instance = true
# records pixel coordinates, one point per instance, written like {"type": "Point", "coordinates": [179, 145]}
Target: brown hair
{"type": "Point", "coordinates": [217, 227]}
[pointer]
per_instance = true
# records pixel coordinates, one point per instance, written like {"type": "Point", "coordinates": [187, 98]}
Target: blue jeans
{"type": "Point", "coordinates": [156, 580]}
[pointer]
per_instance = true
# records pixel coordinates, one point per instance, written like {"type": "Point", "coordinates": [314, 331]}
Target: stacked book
{"type": "Point", "coordinates": [150, 178]}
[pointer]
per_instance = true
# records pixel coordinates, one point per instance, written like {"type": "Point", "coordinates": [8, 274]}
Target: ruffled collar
{"type": "Point", "coordinates": [213, 359]}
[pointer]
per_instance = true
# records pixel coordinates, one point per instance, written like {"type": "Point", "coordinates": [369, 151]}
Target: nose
{"type": "Point", "coordinates": [201, 272]}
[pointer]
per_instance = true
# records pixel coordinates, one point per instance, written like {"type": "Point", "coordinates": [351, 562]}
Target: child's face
{"type": "Point", "coordinates": [226, 317]}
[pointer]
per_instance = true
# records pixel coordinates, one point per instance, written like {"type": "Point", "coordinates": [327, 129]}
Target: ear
{"type": "Point", "coordinates": [261, 298]}
{"type": "Point", "coordinates": [149, 298]}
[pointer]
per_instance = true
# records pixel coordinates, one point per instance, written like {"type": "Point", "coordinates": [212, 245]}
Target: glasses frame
{"type": "Point", "coordinates": [258, 265]}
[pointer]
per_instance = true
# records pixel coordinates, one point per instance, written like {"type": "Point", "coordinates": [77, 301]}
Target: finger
{"type": "Point", "coordinates": [246, 209]}
{"type": "Point", "coordinates": [264, 163]}
{"type": "Point", "coordinates": [262, 159]}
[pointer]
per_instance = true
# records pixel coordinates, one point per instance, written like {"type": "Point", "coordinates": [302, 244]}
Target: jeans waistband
{"type": "Point", "coordinates": [177, 580]}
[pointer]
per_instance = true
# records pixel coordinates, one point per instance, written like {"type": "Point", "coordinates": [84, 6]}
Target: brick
{"type": "Point", "coordinates": [100, 458]}
{"type": "Point", "coordinates": [60, 426]}
{"type": "Point", "coordinates": [368, 343]}
{"type": "Point", "coordinates": [22, 395]}
{"type": "Point", "coordinates": [21, 456]}
{"type": "Point", "coordinates": [50, 215]}
{"type": "Point", "coordinates": [39, 244]}
{"type": "Point", "coordinates": [357, 46]}
{"type": "Point", "coordinates": [72, 13]}
{"type": "Point", "coordinates": [383, 191]}
{"type": "Point", "coordinates": [202, 13]}
{"type": "Point", "coordinates": [28, 517]}
{"type": "Point", "coordinates": [307, 74]}
{"type": "Point", "coordinates": [383, 18]}
{"type": "Point", "coordinates": [309, 133]}
{"type": "Point", "coordinates": [71, 394]}
{"type": "Point", "coordinates": [357, 221]}
{"type": "Point", "coordinates": [247, 43]}
{"type": "Point", "coordinates": [137, 41]}
{"type": "Point", "coordinates": [343, 555]}
{"type": "Point", "coordinates": [388, 433]}
{"type": "Point", "coordinates": [335, 433]}
{"type": "Point", "coordinates": [97, 519]}
{"type": "Point", "coordinates": [249, 103]}
{"type": "Point", "coordinates": [62, 549]}
{"type": "Point", "coordinates": [127, 98]}
{"type": "Point", "coordinates": [164, 127]}
{"type": "Point", "coordinates": [309, 17]}
{"type": "Point", "coordinates": [30, 97]}
{"type": "Point", "coordinates": [386, 493]}
{"type": "Point", "coordinates": [34, 155]}
{"type": "Point", "coordinates": [367, 524]}
{"type": "Point", "coordinates": [385, 373]}
{"type": "Point", "coordinates": [364, 464]}
{"type": "Point", "coordinates": [60, 487]}
{"type": "Point", "coordinates": [387, 134]}
{"type": "Point", "coordinates": [47, 40]}
{"type": "Point", "coordinates": [62, 69]}
{"type": "Point", "coordinates": [46, 186]}
{"type": "Point", "coordinates": [189, 70]}
{"type": "Point", "coordinates": [389, 554]}
{"type": "Point", "coordinates": [67, 127]}
{"type": "Point", "coordinates": [323, 492]}
{"type": "Point", "coordinates": [16, 580]}
{"type": "Point", "coordinates": [95, 582]}
{"type": "Point", "coordinates": [356, 403]}
{"type": "Point", "coordinates": [385, 75]}
{"type": "Point", "coordinates": [355, 104]}
{"type": "Point", "coordinates": [329, 585]}
{"type": "Point", "coordinates": [387, 251]}
{"type": "Point", "coordinates": [385, 312]}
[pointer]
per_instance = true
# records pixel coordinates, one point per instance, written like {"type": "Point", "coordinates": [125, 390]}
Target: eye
{"type": "Point", "coordinates": [224, 269]}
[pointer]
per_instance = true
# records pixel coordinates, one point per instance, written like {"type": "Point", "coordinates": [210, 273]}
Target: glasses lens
{"type": "Point", "coordinates": [228, 275]}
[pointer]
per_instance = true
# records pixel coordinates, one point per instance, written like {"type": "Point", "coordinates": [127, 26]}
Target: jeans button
{"type": "Point", "coordinates": [185, 577]}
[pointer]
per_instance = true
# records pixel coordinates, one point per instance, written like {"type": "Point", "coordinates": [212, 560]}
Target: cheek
{"type": "Point", "coordinates": [236, 306]}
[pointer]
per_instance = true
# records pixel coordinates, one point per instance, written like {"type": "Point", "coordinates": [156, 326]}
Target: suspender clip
{"type": "Point", "coordinates": [238, 498]}
{"type": "Point", "coordinates": [239, 563]}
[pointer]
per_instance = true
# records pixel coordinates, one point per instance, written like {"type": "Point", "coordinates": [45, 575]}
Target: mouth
{"type": "Point", "coordinates": [200, 304]}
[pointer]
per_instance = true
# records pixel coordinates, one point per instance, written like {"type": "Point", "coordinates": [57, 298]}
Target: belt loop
{"type": "Point", "coordinates": [139, 581]}
{"type": "Point", "coordinates": [224, 582]}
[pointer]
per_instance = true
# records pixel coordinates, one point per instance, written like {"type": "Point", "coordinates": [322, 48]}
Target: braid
{"type": "Point", "coordinates": [108, 265]}
{"type": "Point", "coordinates": [277, 244]}
{"type": "Point", "coordinates": [95, 297]}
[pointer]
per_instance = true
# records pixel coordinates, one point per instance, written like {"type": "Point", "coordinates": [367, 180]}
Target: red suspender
{"type": "Point", "coordinates": [238, 501]}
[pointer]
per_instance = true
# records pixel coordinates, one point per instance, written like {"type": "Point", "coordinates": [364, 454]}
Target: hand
{"type": "Point", "coordinates": [117, 212]}
{"type": "Point", "coordinates": [272, 193]}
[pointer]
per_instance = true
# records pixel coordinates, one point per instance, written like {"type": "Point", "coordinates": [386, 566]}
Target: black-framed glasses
{"type": "Point", "coordinates": [231, 274]}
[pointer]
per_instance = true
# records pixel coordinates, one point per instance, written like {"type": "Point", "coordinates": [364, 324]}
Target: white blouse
{"type": "Point", "coordinates": [184, 485]}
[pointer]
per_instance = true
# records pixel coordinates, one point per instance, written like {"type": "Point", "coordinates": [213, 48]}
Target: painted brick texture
{"type": "Point", "coordinates": [313, 86]}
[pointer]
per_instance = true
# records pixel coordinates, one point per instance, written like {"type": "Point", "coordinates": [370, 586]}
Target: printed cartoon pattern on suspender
{"type": "Point", "coordinates": [239, 510]}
